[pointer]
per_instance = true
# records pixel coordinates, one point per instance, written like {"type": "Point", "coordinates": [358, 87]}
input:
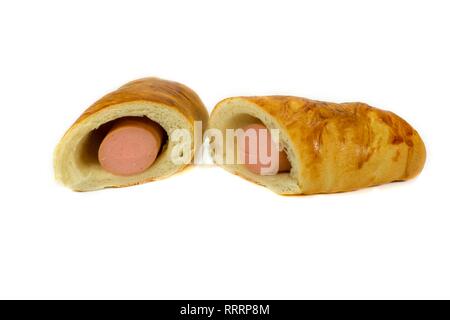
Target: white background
{"type": "Point", "coordinates": [205, 233]}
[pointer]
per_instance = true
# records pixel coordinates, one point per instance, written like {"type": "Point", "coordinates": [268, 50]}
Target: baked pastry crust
{"type": "Point", "coordinates": [332, 147]}
{"type": "Point", "coordinates": [171, 104]}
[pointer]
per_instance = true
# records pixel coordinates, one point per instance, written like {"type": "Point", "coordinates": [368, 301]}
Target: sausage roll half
{"type": "Point", "coordinates": [329, 147]}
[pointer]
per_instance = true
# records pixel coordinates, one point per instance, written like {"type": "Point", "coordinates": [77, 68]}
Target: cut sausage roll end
{"type": "Point", "coordinates": [169, 104]}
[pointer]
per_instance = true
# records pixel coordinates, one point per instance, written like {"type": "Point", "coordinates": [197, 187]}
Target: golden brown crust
{"type": "Point", "coordinates": [155, 90]}
{"type": "Point", "coordinates": [344, 146]}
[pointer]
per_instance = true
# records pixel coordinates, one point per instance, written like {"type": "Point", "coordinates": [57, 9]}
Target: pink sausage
{"type": "Point", "coordinates": [131, 146]}
{"type": "Point", "coordinates": [253, 159]}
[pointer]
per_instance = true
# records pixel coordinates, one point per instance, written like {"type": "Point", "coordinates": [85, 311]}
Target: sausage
{"type": "Point", "coordinates": [131, 146]}
{"type": "Point", "coordinates": [257, 154]}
